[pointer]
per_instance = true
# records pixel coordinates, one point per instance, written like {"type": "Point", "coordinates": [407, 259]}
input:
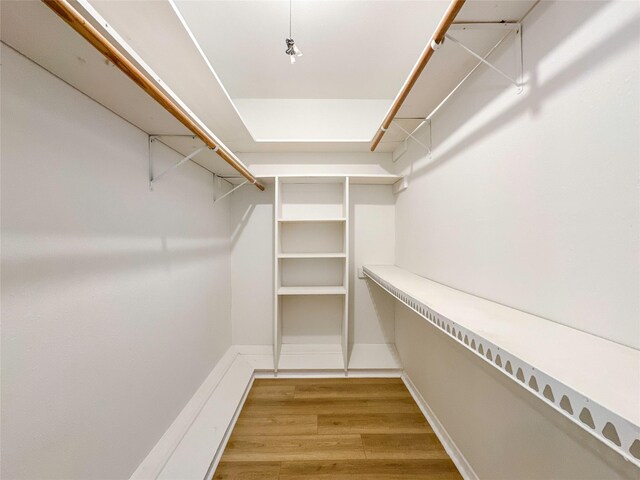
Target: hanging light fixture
{"type": "Point", "coordinates": [291, 50]}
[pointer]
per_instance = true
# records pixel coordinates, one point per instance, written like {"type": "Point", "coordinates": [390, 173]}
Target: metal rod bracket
{"type": "Point", "coordinates": [216, 200]}
{"type": "Point", "coordinates": [154, 178]}
{"type": "Point", "coordinates": [413, 137]}
{"type": "Point", "coordinates": [516, 81]}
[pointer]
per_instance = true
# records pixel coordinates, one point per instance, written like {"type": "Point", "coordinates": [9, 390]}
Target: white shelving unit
{"type": "Point", "coordinates": [586, 378]}
{"type": "Point", "coordinates": [311, 270]}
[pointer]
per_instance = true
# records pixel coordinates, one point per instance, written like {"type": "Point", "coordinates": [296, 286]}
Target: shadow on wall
{"type": "Point", "coordinates": [243, 207]}
{"type": "Point", "coordinates": [70, 263]}
{"type": "Point", "coordinates": [74, 228]}
{"type": "Point", "coordinates": [532, 99]}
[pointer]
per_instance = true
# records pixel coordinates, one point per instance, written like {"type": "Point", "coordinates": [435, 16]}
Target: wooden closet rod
{"type": "Point", "coordinates": [436, 40]}
{"type": "Point", "coordinates": [76, 21]}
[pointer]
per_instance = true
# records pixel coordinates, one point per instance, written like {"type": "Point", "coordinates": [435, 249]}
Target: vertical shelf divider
{"type": "Point", "coordinates": [277, 324]}
{"type": "Point", "coordinates": [345, 318]}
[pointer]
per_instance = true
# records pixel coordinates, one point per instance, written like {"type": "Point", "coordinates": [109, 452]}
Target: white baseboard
{"type": "Point", "coordinates": [220, 449]}
{"type": "Point", "coordinates": [203, 444]}
{"type": "Point", "coordinates": [152, 465]}
{"type": "Point", "coordinates": [450, 447]}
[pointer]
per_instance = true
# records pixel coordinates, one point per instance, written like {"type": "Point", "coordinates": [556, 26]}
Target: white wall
{"type": "Point", "coordinates": [252, 265]}
{"type": "Point", "coordinates": [532, 201]}
{"type": "Point", "coordinates": [115, 299]}
{"type": "Point", "coordinates": [372, 241]}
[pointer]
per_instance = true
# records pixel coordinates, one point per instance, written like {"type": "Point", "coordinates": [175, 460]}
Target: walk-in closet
{"type": "Point", "coordinates": [320, 239]}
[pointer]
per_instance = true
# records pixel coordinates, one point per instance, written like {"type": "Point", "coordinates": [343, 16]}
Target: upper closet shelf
{"type": "Point", "coordinates": [587, 378]}
{"type": "Point", "coordinates": [357, 179]}
{"type": "Point", "coordinates": [454, 52]}
{"type": "Point", "coordinates": [155, 108]}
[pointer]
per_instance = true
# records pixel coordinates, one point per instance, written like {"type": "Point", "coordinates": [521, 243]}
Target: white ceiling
{"type": "Point", "coordinates": [352, 49]}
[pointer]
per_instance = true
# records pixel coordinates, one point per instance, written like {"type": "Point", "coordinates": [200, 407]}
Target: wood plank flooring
{"type": "Point", "coordinates": [355, 428]}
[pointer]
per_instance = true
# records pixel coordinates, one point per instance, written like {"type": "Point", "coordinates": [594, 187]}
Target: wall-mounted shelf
{"type": "Point", "coordinates": [588, 379]}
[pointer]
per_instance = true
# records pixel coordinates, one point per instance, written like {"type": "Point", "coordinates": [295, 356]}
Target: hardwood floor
{"type": "Point", "coordinates": [355, 428]}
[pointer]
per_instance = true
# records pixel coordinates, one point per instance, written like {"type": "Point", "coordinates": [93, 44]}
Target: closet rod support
{"type": "Point", "coordinates": [412, 135]}
{"type": "Point", "coordinates": [483, 60]}
{"type": "Point", "coordinates": [230, 191]}
{"type": "Point", "coordinates": [154, 178]}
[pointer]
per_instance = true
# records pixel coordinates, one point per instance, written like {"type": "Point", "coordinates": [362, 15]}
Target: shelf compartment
{"type": "Point", "coordinates": [317, 356]}
{"type": "Point", "coordinates": [311, 272]}
{"type": "Point", "coordinates": [570, 370]}
{"type": "Point", "coordinates": [311, 237]}
{"type": "Point", "coordinates": [309, 201]}
{"type": "Point", "coordinates": [312, 319]}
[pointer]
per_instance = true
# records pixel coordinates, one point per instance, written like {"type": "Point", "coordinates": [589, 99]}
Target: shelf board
{"type": "Point", "coordinates": [312, 255]}
{"type": "Point", "coordinates": [558, 364]}
{"type": "Point", "coordinates": [309, 220]}
{"type": "Point", "coordinates": [358, 178]}
{"type": "Point", "coordinates": [302, 357]}
{"type": "Point", "coordinates": [312, 291]}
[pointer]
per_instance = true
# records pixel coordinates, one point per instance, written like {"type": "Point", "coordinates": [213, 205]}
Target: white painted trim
{"type": "Point", "coordinates": [223, 444]}
{"type": "Point", "coordinates": [447, 442]}
{"type": "Point", "coordinates": [202, 444]}
{"type": "Point", "coordinates": [157, 458]}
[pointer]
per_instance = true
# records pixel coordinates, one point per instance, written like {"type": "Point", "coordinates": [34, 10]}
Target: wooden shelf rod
{"type": "Point", "coordinates": [436, 40]}
{"type": "Point", "coordinates": [76, 21]}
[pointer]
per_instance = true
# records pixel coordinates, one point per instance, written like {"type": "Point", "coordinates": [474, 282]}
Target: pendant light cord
{"type": "Point", "coordinates": [290, 18]}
